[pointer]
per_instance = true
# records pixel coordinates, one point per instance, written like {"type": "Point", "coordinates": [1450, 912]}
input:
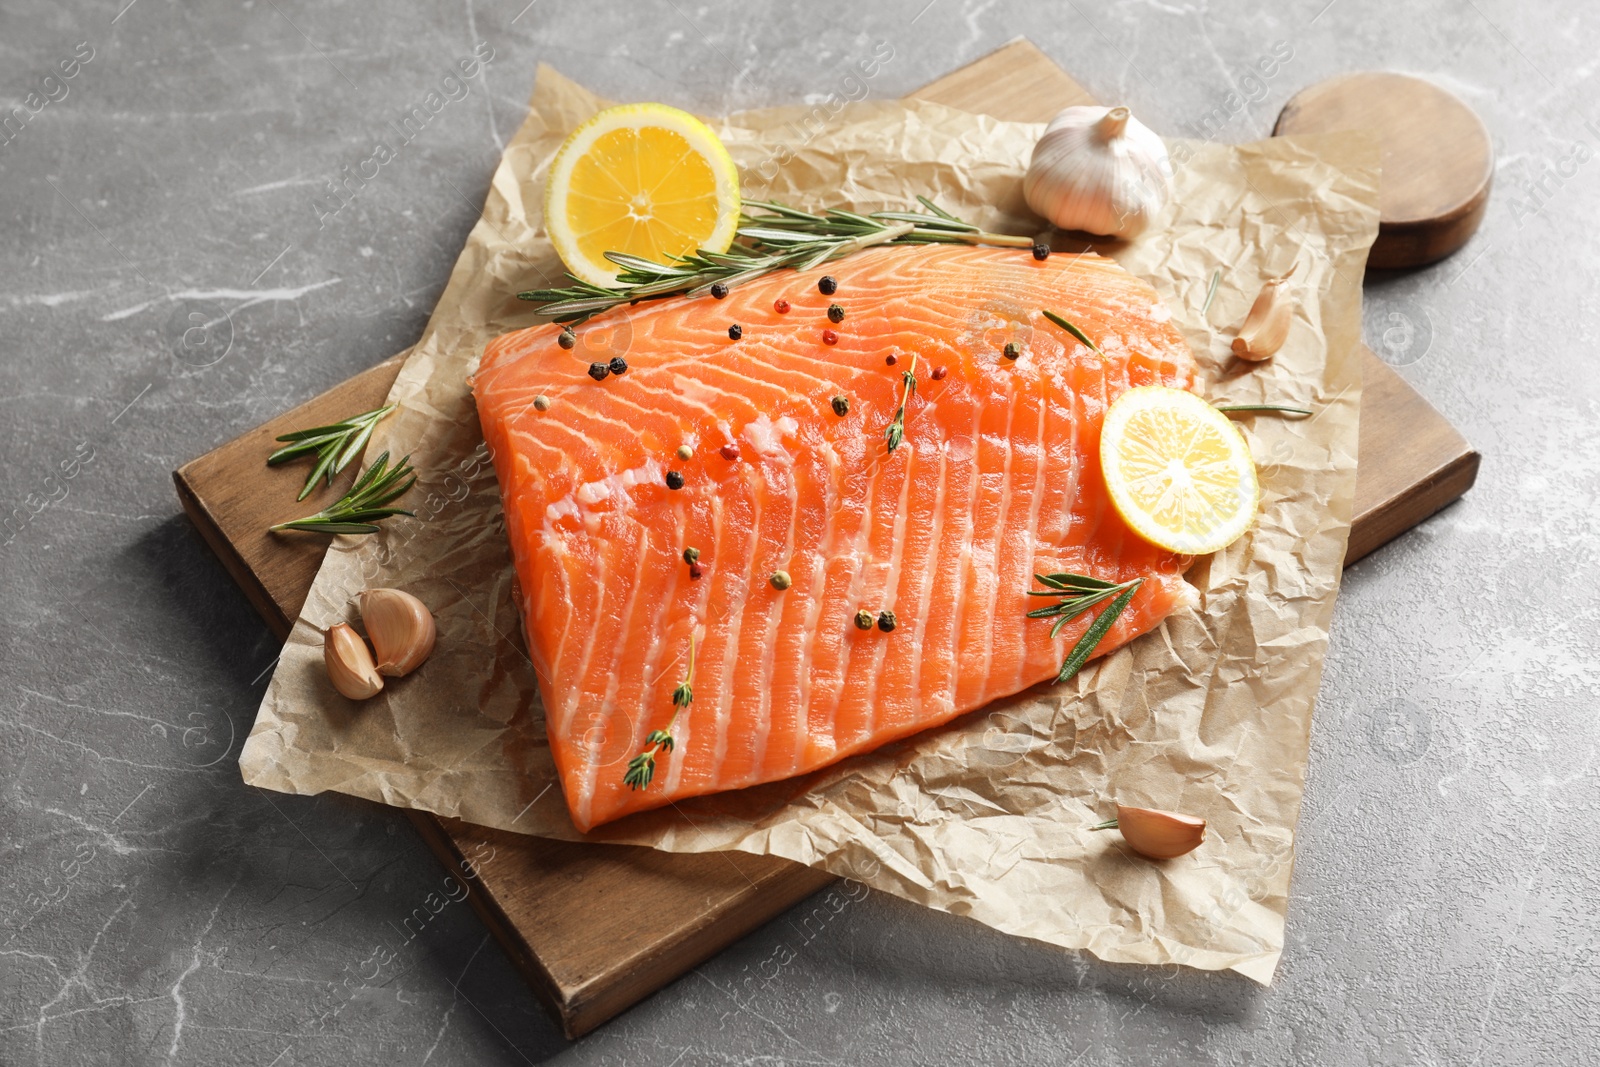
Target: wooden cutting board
{"type": "Point", "coordinates": [596, 928]}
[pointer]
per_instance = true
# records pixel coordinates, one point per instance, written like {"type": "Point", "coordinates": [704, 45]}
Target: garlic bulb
{"type": "Point", "coordinates": [1099, 170]}
{"type": "Point", "coordinates": [401, 628]}
{"type": "Point", "coordinates": [349, 664]}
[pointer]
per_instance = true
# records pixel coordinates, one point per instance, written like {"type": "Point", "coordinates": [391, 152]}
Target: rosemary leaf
{"type": "Point", "coordinates": [936, 209]}
{"type": "Point", "coordinates": [1068, 580]}
{"type": "Point", "coordinates": [1073, 330]}
{"type": "Point", "coordinates": [365, 504]}
{"type": "Point", "coordinates": [1211, 291]}
{"type": "Point", "coordinates": [777, 208]}
{"type": "Point", "coordinates": [1086, 644]}
{"type": "Point", "coordinates": [334, 445]}
{"type": "Point", "coordinates": [1298, 412]}
{"type": "Point", "coordinates": [627, 262]}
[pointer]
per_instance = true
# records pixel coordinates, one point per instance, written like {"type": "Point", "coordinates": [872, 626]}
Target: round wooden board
{"type": "Point", "coordinates": [1437, 159]}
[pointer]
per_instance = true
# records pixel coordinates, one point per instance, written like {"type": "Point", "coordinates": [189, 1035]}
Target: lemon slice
{"type": "Point", "coordinates": [1178, 471]}
{"type": "Point", "coordinates": [644, 179]}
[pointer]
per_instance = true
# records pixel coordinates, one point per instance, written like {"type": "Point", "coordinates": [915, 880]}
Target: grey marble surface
{"type": "Point", "coordinates": [166, 282]}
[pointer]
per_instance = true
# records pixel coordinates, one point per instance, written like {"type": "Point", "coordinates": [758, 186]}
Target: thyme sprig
{"type": "Point", "coordinates": [365, 504]}
{"type": "Point", "coordinates": [334, 445]}
{"type": "Point", "coordinates": [1074, 331]}
{"type": "Point", "coordinates": [897, 427]}
{"type": "Point", "coordinates": [774, 238]}
{"type": "Point", "coordinates": [642, 768]}
{"type": "Point", "coordinates": [1076, 594]}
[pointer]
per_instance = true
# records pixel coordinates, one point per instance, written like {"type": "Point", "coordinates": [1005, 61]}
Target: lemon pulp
{"type": "Point", "coordinates": [642, 179]}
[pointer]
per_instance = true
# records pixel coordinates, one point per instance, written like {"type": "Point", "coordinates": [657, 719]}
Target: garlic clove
{"type": "Point", "coordinates": [1266, 327]}
{"type": "Point", "coordinates": [401, 628]}
{"type": "Point", "coordinates": [349, 664]}
{"type": "Point", "coordinates": [1157, 834]}
{"type": "Point", "coordinates": [1099, 170]}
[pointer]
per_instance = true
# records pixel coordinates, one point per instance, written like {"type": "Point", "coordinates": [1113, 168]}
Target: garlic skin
{"type": "Point", "coordinates": [1099, 170]}
{"type": "Point", "coordinates": [1266, 327]}
{"type": "Point", "coordinates": [401, 628]}
{"type": "Point", "coordinates": [349, 664]}
{"type": "Point", "coordinates": [1156, 834]}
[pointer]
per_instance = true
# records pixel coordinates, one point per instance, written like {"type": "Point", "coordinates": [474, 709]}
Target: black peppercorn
{"type": "Point", "coordinates": [598, 371]}
{"type": "Point", "coordinates": [835, 313]}
{"type": "Point", "coordinates": [1012, 350]}
{"type": "Point", "coordinates": [864, 619]}
{"type": "Point", "coordinates": [841, 406]}
{"type": "Point", "coordinates": [735, 332]}
{"type": "Point", "coordinates": [674, 480]}
{"type": "Point", "coordinates": [886, 621]}
{"type": "Point", "coordinates": [719, 290]}
{"type": "Point", "coordinates": [567, 339]}
{"type": "Point", "coordinates": [1041, 250]}
{"type": "Point", "coordinates": [828, 284]}
{"type": "Point", "coordinates": [618, 365]}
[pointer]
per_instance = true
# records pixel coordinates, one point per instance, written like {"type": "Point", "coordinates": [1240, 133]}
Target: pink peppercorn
{"type": "Point", "coordinates": [781, 307]}
{"type": "Point", "coordinates": [729, 451]}
{"type": "Point", "coordinates": [829, 337]}
{"type": "Point", "coordinates": [938, 373]}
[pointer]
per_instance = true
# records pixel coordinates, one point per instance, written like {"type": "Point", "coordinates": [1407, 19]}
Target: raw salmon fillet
{"type": "Point", "coordinates": [998, 478]}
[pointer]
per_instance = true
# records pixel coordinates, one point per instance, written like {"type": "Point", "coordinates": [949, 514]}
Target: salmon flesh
{"type": "Point", "coordinates": [997, 478]}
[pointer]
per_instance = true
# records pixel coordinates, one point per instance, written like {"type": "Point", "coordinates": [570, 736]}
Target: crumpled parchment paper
{"type": "Point", "coordinates": [987, 817]}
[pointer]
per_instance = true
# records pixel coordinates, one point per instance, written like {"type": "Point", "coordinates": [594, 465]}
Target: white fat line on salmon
{"type": "Point", "coordinates": [614, 676]}
{"type": "Point", "coordinates": [930, 577]}
{"type": "Point", "coordinates": [827, 474]}
{"type": "Point", "coordinates": [1042, 460]}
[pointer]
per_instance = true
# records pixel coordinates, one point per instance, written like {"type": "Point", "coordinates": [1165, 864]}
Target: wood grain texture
{"type": "Point", "coordinates": [596, 928]}
{"type": "Point", "coordinates": [1438, 162]}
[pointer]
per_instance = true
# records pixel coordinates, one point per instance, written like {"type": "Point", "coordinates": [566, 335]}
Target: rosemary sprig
{"type": "Point", "coordinates": [1285, 409]}
{"type": "Point", "coordinates": [776, 237]}
{"type": "Point", "coordinates": [1076, 594]}
{"type": "Point", "coordinates": [642, 768]}
{"type": "Point", "coordinates": [1073, 330]}
{"type": "Point", "coordinates": [897, 428]}
{"type": "Point", "coordinates": [335, 445]}
{"type": "Point", "coordinates": [367, 501]}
